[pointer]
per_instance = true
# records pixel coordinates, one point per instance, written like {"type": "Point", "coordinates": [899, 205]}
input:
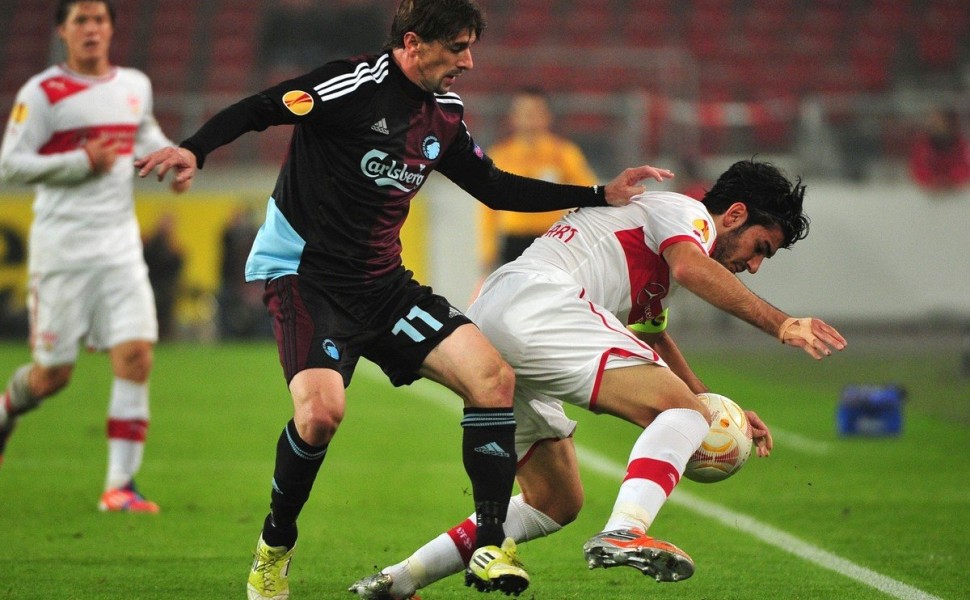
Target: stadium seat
{"type": "Point", "coordinates": [26, 45]}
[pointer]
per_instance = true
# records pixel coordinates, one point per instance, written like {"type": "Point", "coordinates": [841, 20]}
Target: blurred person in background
{"type": "Point", "coordinates": [531, 150]}
{"type": "Point", "coordinates": [73, 133]}
{"type": "Point", "coordinates": [582, 318]}
{"type": "Point", "coordinates": [165, 260]}
{"type": "Point", "coordinates": [13, 259]}
{"type": "Point", "coordinates": [368, 132]}
{"type": "Point", "coordinates": [939, 159]}
{"type": "Point", "coordinates": [241, 310]}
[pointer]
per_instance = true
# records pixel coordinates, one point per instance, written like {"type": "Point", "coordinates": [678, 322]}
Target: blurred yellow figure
{"type": "Point", "coordinates": [531, 150]}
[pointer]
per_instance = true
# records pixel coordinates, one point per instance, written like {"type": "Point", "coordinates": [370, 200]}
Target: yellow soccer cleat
{"type": "Point", "coordinates": [492, 568]}
{"type": "Point", "coordinates": [269, 577]}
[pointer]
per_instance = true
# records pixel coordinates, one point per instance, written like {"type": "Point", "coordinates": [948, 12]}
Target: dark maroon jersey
{"type": "Point", "coordinates": [365, 140]}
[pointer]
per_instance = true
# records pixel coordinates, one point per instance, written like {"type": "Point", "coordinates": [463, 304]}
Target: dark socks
{"type": "Point", "coordinates": [488, 452]}
{"type": "Point", "coordinates": [297, 464]}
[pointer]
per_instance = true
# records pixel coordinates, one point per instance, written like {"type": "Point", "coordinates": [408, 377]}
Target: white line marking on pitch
{"type": "Point", "coordinates": [603, 465]}
{"type": "Point", "coordinates": [799, 442]}
{"type": "Point", "coordinates": [766, 533]}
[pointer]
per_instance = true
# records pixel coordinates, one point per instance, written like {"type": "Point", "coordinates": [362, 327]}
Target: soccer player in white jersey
{"type": "Point", "coordinates": [74, 133]}
{"type": "Point", "coordinates": [581, 317]}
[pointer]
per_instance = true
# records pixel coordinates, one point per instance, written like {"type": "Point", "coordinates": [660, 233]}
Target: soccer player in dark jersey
{"type": "Point", "coordinates": [368, 132]}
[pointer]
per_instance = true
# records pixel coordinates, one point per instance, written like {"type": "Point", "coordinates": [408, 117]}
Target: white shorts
{"type": "Point", "coordinates": [559, 345]}
{"type": "Point", "coordinates": [100, 307]}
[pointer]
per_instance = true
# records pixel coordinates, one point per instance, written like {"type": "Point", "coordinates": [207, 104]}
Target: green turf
{"type": "Point", "coordinates": [898, 507]}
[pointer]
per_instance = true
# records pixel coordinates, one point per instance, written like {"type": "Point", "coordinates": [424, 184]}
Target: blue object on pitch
{"type": "Point", "coordinates": [871, 410]}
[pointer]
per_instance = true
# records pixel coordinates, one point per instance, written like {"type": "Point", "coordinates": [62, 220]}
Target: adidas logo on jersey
{"type": "Point", "coordinates": [453, 312]}
{"type": "Point", "coordinates": [493, 449]}
{"type": "Point", "coordinates": [381, 127]}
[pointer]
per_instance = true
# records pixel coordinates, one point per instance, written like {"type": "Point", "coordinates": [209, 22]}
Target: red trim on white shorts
{"type": "Point", "coordinates": [528, 454]}
{"type": "Point", "coordinates": [650, 355]}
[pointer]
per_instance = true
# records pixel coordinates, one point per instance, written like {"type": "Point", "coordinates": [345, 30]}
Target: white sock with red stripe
{"type": "Point", "coordinates": [16, 398]}
{"type": "Point", "coordinates": [127, 425]}
{"type": "Point", "coordinates": [657, 461]}
{"type": "Point", "coordinates": [448, 553]}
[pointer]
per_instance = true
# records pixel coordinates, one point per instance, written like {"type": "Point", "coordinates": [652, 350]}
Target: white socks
{"type": "Point", "coordinates": [448, 553]}
{"type": "Point", "coordinates": [127, 425]}
{"type": "Point", "coordinates": [657, 461]}
{"type": "Point", "coordinates": [524, 523]}
{"type": "Point", "coordinates": [16, 398]}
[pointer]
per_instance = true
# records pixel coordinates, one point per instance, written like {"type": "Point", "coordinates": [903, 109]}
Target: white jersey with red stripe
{"type": "Point", "coordinates": [559, 313]}
{"type": "Point", "coordinates": [81, 219]}
{"type": "Point", "coordinates": [615, 254]}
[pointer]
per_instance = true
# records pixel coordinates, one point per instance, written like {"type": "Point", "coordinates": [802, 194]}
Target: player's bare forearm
{"type": "Point", "coordinates": [714, 284]}
{"type": "Point", "coordinates": [668, 350]}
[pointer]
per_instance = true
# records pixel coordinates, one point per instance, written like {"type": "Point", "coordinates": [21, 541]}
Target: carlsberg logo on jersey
{"type": "Point", "coordinates": [389, 172]}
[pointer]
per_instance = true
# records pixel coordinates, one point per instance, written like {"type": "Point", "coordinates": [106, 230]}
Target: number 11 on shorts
{"type": "Point", "coordinates": [404, 325]}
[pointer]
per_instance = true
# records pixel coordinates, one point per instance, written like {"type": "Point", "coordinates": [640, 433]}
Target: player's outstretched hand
{"type": "Point", "coordinates": [814, 336]}
{"type": "Point", "coordinates": [760, 434]}
{"type": "Point", "coordinates": [626, 185]}
{"type": "Point", "coordinates": [181, 160]}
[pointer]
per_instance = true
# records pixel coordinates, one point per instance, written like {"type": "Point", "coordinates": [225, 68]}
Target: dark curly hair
{"type": "Point", "coordinates": [435, 20]}
{"type": "Point", "coordinates": [770, 197]}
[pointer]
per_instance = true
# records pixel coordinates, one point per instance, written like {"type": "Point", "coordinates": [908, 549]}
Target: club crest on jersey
{"type": "Point", "coordinates": [134, 104]}
{"type": "Point", "coordinates": [330, 349]}
{"type": "Point", "coordinates": [431, 147]}
{"type": "Point", "coordinates": [298, 102]}
{"type": "Point", "coordinates": [388, 172]}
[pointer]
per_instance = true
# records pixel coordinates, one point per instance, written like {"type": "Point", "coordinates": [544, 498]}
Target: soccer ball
{"type": "Point", "coordinates": [727, 445]}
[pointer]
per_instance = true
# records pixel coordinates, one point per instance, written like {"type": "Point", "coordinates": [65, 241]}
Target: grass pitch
{"type": "Point", "coordinates": [823, 517]}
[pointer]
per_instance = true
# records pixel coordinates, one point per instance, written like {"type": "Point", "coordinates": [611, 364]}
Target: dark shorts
{"type": "Point", "coordinates": [395, 325]}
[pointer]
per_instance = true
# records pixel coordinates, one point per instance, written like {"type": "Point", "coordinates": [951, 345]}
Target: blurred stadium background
{"type": "Point", "coordinates": [833, 90]}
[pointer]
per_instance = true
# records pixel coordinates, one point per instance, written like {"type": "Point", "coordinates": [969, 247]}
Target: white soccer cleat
{"type": "Point", "coordinates": [376, 587]}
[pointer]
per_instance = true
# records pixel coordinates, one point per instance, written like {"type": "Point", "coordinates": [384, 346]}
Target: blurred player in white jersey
{"type": "Point", "coordinates": [581, 317]}
{"type": "Point", "coordinates": [74, 133]}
